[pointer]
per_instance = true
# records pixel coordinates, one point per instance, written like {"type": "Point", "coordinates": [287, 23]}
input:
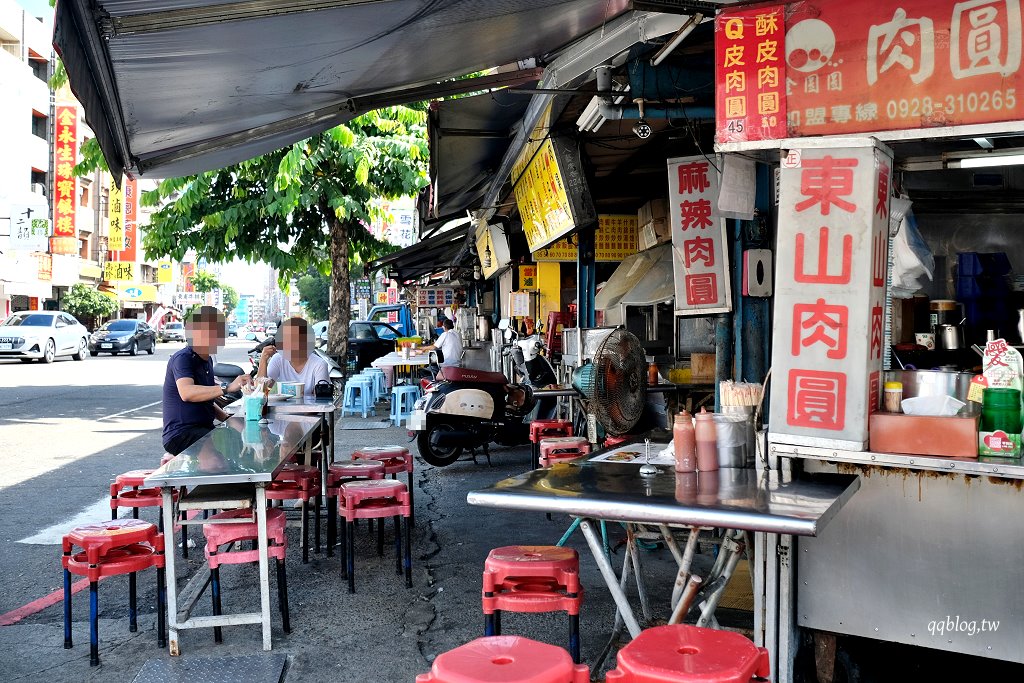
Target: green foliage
{"type": "Point", "coordinates": [229, 296]}
{"type": "Point", "coordinates": [314, 291]}
{"type": "Point", "coordinates": [82, 301]}
{"type": "Point", "coordinates": [203, 282]}
{"type": "Point", "coordinates": [92, 159]}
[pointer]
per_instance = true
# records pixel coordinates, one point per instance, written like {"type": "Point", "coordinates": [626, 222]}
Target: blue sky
{"type": "Point", "coordinates": [37, 8]}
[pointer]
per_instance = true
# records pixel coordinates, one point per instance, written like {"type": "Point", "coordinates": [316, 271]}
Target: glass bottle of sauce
{"type": "Point", "coordinates": [707, 441]}
{"type": "Point", "coordinates": [684, 441]}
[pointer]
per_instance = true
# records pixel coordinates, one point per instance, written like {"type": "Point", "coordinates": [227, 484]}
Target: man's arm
{"type": "Point", "coordinates": [191, 392]}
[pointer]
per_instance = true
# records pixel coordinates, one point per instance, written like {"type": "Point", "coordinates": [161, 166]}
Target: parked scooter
{"type": "Point", "coordinates": [464, 408]}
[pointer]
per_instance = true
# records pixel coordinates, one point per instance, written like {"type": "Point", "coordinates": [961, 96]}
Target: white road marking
{"type": "Point", "coordinates": [53, 535]}
{"type": "Point", "coordinates": [130, 410]}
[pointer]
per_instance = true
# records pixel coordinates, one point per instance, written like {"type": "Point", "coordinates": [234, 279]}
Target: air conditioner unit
{"type": "Point", "coordinates": [39, 188]}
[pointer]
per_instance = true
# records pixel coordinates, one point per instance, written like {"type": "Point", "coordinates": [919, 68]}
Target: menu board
{"type": "Point", "coordinates": [616, 239]}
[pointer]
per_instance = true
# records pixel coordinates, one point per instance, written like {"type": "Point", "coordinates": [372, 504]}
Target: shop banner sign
{"type": "Point", "coordinates": [30, 228]}
{"type": "Point", "coordinates": [129, 206]}
{"type": "Point", "coordinates": [115, 217]}
{"type": "Point", "coordinates": [187, 271]}
{"type": "Point", "coordinates": [435, 296]}
{"type": "Point", "coordinates": [699, 245]}
{"type": "Point", "coordinates": [615, 239]}
{"type": "Point", "coordinates": [65, 232]}
{"type": "Point", "coordinates": [527, 277]}
{"type": "Point", "coordinates": [164, 272]}
{"type": "Point", "coordinates": [857, 66]}
{"type": "Point", "coordinates": [830, 279]}
{"type": "Point", "coordinates": [45, 267]}
{"type": "Point", "coordinates": [750, 74]}
{"type": "Point", "coordinates": [118, 271]}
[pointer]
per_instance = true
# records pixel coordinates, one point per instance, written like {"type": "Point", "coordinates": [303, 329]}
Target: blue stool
{"type": "Point", "coordinates": [374, 393]}
{"type": "Point", "coordinates": [358, 397]}
{"type": "Point", "coordinates": [403, 398]}
{"type": "Point", "coordinates": [380, 382]}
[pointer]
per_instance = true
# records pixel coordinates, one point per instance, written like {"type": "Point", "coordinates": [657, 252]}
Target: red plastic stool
{"type": "Point", "coordinates": [505, 659]}
{"type": "Point", "coordinates": [375, 499]}
{"type": "Point", "coordinates": [562, 449]}
{"type": "Point", "coordinates": [396, 459]}
{"type": "Point", "coordinates": [688, 653]}
{"type": "Point", "coordinates": [533, 579]}
{"type": "Point", "coordinates": [225, 528]}
{"type": "Point", "coordinates": [302, 483]}
{"type": "Point", "coordinates": [340, 472]}
{"type": "Point", "coordinates": [542, 429]}
{"type": "Point", "coordinates": [121, 546]}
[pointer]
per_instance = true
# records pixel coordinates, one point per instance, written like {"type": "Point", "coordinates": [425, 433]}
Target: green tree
{"type": "Point", "coordinates": [303, 206]}
{"type": "Point", "coordinates": [315, 294]}
{"type": "Point", "coordinates": [88, 303]}
{"type": "Point", "coordinates": [204, 282]}
{"type": "Point", "coordinates": [229, 297]}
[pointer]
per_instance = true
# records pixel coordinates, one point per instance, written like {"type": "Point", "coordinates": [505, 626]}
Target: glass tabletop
{"type": "Point", "coordinates": [237, 452]}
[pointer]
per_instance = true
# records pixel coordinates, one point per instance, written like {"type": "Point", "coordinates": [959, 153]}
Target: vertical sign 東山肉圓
{"type": "Point", "coordinates": [750, 75]}
{"type": "Point", "coordinates": [829, 294]}
{"type": "Point", "coordinates": [65, 155]}
{"type": "Point", "coordinates": [699, 247]}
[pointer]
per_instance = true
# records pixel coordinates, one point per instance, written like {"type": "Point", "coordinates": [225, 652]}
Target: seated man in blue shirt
{"type": "Point", "coordinates": [189, 386]}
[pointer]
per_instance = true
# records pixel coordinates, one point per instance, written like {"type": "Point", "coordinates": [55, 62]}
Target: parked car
{"type": "Point", "coordinates": [369, 340]}
{"type": "Point", "coordinates": [43, 335]}
{"type": "Point", "coordinates": [173, 332]}
{"type": "Point", "coordinates": [123, 336]}
{"type": "Point", "coordinates": [232, 330]}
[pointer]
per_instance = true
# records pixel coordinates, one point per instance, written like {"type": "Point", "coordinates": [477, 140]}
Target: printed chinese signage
{"type": "Point", "coordinates": [30, 228]}
{"type": "Point", "coordinates": [115, 217]}
{"type": "Point", "coordinates": [45, 270]}
{"type": "Point", "coordinates": [129, 198]}
{"type": "Point", "coordinates": [435, 296]}
{"type": "Point", "coordinates": [392, 295]}
{"type": "Point", "coordinates": [699, 246]}
{"type": "Point", "coordinates": [616, 238]}
{"type": "Point", "coordinates": [750, 75]}
{"type": "Point", "coordinates": [118, 271]}
{"type": "Point", "coordinates": [65, 233]}
{"type": "Point", "coordinates": [527, 277]}
{"type": "Point", "coordinates": [829, 295]}
{"type": "Point", "coordinates": [187, 271]}
{"type": "Point", "coordinates": [854, 66]}
{"type": "Point", "coordinates": [144, 293]}
{"type": "Point", "coordinates": [382, 297]}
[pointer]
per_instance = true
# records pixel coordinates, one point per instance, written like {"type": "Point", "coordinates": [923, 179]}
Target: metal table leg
{"type": "Point", "coordinates": [610, 579]}
{"type": "Point", "coordinates": [172, 577]}
{"type": "Point", "coordinates": [261, 526]}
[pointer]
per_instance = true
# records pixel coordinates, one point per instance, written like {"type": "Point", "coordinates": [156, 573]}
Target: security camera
{"type": "Point", "coordinates": [642, 129]}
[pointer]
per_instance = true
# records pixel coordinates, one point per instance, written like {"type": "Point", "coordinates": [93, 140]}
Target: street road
{"type": "Point", "coordinates": [65, 430]}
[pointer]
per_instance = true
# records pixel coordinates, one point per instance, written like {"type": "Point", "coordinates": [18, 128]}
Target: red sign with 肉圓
{"type": "Point", "coordinates": [854, 66]}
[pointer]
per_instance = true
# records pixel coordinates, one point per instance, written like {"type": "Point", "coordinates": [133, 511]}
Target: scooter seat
{"type": "Point", "coordinates": [470, 375]}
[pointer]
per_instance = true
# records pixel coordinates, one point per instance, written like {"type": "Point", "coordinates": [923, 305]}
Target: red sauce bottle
{"type": "Point", "coordinates": [707, 441]}
{"type": "Point", "coordinates": [684, 441]}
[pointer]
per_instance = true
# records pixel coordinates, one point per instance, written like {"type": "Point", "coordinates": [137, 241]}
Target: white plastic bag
{"type": "Point", "coordinates": [911, 259]}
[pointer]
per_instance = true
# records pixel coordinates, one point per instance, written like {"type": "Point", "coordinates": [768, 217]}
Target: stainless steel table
{"type": "Point", "coordinates": [742, 500]}
{"type": "Point", "coordinates": [238, 452]}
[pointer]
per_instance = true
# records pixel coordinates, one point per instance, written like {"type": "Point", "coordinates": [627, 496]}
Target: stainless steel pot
{"type": "Point", "coordinates": [936, 383]}
{"type": "Point", "coordinates": [949, 337]}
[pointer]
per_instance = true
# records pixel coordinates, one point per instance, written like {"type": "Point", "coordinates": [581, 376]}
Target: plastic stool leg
{"type": "Point", "coordinates": [398, 544]}
{"type": "Point", "coordinates": [218, 635]}
{"type": "Point", "coordinates": [67, 610]}
{"type": "Point", "coordinates": [409, 485]}
{"type": "Point", "coordinates": [94, 624]}
{"type": "Point", "coordinates": [489, 621]}
{"type": "Point", "coordinates": [408, 553]}
{"type": "Point", "coordinates": [161, 607]}
{"type": "Point", "coordinates": [497, 622]}
{"type": "Point", "coordinates": [351, 557]}
{"type": "Point", "coordinates": [282, 596]}
{"type": "Point", "coordinates": [380, 538]}
{"type": "Point", "coordinates": [332, 527]}
{"type": "Point", "coordinates": [574, 635]}
{"type": "Point", "coordinates": [316, 522]}
{"type": "Point", "coordinates": [184, 541]}
{"type": "Point", "coordinates": [343, 542]}
{"type": "Point", "coordinates": [305, 532]}
{"type": "Point", "coordinates": [133, 613]}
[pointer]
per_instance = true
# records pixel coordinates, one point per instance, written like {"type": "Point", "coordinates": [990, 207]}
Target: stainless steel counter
{"type": "Point", "coordinates": [1005, 468]}
{"type": "Point", "coordinates": [734, 499]}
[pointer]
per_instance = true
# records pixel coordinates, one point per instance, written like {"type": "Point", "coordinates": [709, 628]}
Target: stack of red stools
{"type": "Point", "coordinates": [543, 429]}
{"type": "Point", "coordinates": [375, 499]}
{"type": "Point", "coordinates": [533, 579]}
{"type": "Point", "coordinates": [232, 526]}
{"type": "Point", "coordinates": [557, 321]}
{"type": "Point", "coordinates": [396, 459]}
{"type": "Point", "coordinates": [341, 472]}
{"type": "Point", "coordinates": [510, 659]}
{"type": "Point", "coordinates": [302, 483]}
{"type": "Point", "coordinates": [689, 653]}
{"type": "Point", "coordinates": [114, 548]}
{"type": "Point", "coordinates": [562, 449]}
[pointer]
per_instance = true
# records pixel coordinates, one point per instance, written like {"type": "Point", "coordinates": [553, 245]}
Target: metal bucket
{"type": "Point", "coordinates": [732, 440]}
{"type": "Point", "coordinates": [746, 412]}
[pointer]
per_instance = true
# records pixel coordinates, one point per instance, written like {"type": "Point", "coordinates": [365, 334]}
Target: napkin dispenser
{"type": "Point", "coordinates": [253, 406]}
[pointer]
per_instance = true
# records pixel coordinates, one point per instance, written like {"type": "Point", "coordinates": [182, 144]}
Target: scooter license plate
{"type": "Point", "coordinates": [418, 421]}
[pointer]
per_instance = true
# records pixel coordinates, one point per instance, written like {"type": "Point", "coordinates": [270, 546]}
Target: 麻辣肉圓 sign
{"type": "Point", "coordinates": [854, 66]}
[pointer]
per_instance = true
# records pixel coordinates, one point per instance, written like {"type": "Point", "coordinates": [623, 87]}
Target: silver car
{"type": "Point", "coordinates": [173, 332]}
{"type": "Point", "coordinates": [43, 335]}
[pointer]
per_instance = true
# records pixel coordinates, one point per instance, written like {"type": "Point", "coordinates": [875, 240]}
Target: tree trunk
{"type": "Point", "coordinates": [340, 306]}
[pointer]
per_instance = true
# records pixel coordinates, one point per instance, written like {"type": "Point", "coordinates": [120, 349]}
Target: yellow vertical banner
{"type": "Point", "coordinates": [164, 272]}
{"type": "Point", "coordinates": [115, 217]}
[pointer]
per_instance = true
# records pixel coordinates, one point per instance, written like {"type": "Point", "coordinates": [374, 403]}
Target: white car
{"type": "Point", "coordinates": [43, 335]}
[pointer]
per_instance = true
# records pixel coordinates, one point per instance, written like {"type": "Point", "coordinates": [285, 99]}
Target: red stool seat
{"type": "Point", "coordinates": [562, 449]}
{"type": "Point", "coordinates": [396, 459]}
{"type": "Point", "coordinates": [688, 653]}
{"type": "Point", "coordinates": [340, 472]}
{"type": "Point", "coordinates": [231, 526]}
{"type": "Point", "coordinates": [505, 659]}
{"type": "Point", "coordinates": [533, 579]}
{"type": "Point", "coordinates": [541, 429]}
{"type": "Point", "coordinates": [133, 479]}
{"type": "Point", "coordinates": [375, 499]}
{"type": "Point", "coordinates": [302, 483]}
{"type": "Point", "coordinates": [112, 548]}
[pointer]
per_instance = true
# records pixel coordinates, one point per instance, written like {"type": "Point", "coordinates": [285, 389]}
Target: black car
{"type": "Point", "coordinates": [368, 341]}
{"type": "Point", "coordinates": [125, 335]}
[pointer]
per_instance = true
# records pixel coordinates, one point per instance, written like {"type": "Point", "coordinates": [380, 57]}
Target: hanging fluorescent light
{"type": "Point", "coordinates": [992, 160]}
